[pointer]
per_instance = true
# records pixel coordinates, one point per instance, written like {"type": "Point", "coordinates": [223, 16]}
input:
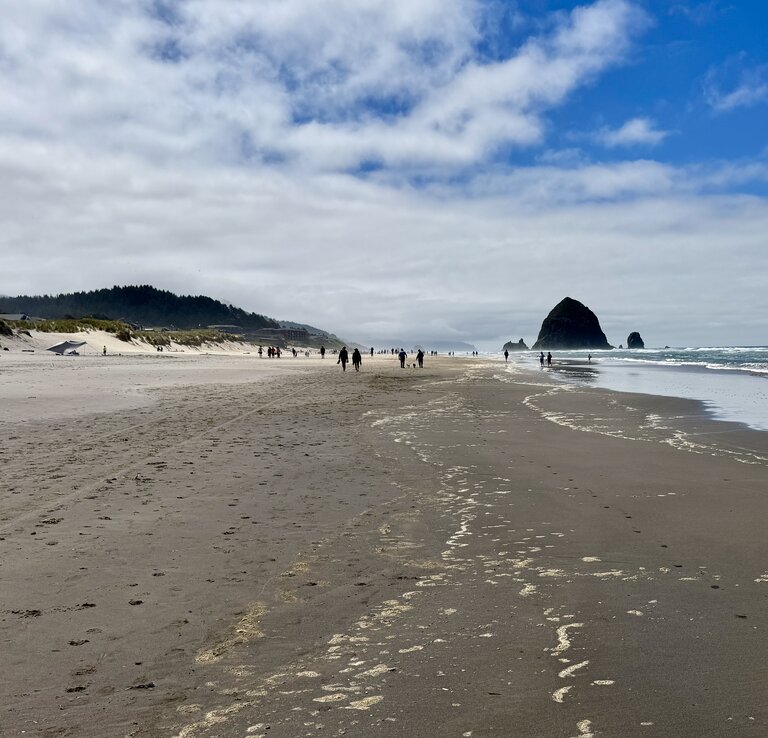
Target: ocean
{"type": "Point", "coordinates": [730, 381]}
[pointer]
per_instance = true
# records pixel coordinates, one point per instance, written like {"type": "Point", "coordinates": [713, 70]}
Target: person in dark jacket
{"type": "Point", "coordinates": [343, 358]}
{"type": "Point", "coordinates": [356, 360]}
{"type": "Point", "coordinates": [402, 356]}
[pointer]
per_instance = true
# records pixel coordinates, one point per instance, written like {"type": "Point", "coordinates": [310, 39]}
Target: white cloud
{"type": "Point", "coordinates": [569, 157]}
{"type": "Point", "coordinates": [736, 84]}
{"type": "Point", "coordinates": [328, 84]}
{"type": "Point", "coordinates": [548, 186]}
{"type": "Point", "coordinates": [371, 261]}
{"type": "Point", "coordinates": [701, 13]}
{"type": "Point", "coordinates": [635, 132]}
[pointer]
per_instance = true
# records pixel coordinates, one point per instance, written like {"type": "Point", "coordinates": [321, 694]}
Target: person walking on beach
{"type": "Point", "coordinates": [322, 352]}
{"type": "Point", "coordinates": [420, 358]}
{"type": "Point", "coordinates": [357, 359]}
{"type": "Point", "coordinates": [261, 352]}
{"type": "Point", "coordinates": [506, 356]}
{"type": "Point", "coordinates": [541, 358]}
{"type": "Point", "coordinates": [402, 356]}
{"type": "Point", "coordinates": [104, 351]}
{"type": "Point", "coordinates": [549, 358]}
{"type": "Point", "coordinates": [589, 358]}
{"type": "Point", "coordinates": [371, 350]}
{"type": "Point", "coordinates": [343, 358]}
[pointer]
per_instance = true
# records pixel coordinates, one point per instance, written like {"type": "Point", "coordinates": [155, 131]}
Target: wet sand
{"type": "Point", "coordinates": [458, 551]}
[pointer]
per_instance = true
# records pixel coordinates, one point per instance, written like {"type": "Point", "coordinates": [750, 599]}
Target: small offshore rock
{"type": "Point", "coordinates": [634, 341]}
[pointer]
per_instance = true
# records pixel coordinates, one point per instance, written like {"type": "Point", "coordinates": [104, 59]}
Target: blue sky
{"type": "Point", "coordinates": [396, 168]}
{"type": "Point", "coordinates": [685, 65]}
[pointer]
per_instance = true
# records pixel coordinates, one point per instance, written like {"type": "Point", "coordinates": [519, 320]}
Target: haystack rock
{"type": "Point", "coordinates": [635, 341]}
{"type": "Point", "coordinates": [510, 346]}
{"type": "Point", "coordinates": [571, 325]}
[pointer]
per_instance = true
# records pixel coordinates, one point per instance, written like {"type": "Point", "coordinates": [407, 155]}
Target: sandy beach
{"type": "Point", "coordinates": [199, 546]}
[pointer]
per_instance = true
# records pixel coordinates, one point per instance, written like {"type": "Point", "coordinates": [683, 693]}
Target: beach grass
{"type": "Point", "coordinates": [70, 325]}
{"type": "Point", "coordinates": [123, 331]}
{"type": "Point", "coordinates": [185, 338]}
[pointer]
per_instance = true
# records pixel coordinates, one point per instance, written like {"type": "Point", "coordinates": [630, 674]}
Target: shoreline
{"type": "Point", "coordinates": [393, 552]}
{"type": "Point", "coordinates": [683, 423]}
{"type": "Point", "coordinates": [726, 395]}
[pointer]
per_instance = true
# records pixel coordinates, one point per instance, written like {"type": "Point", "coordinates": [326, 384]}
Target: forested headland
{"type": "Point", "coordinates": [141, 305]}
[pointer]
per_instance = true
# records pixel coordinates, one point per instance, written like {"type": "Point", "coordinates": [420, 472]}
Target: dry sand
{"type": "Point", "coordinates": [227, 546]}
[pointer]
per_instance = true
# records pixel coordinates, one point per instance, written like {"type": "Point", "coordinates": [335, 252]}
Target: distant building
{"type": "Point", "coordinates": [294, 335]}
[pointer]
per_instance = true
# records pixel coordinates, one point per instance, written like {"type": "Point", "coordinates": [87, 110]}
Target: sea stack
{"type": "Point", "coordinates": [510, 346]}
{"type": "Point", "coordinates": [571, 325]}
{"type": "Point", "coordinates": [634, 341]}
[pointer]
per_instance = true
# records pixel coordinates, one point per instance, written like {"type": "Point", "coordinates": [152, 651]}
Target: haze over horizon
{"type": "Point", "coordinates": [447, 169]}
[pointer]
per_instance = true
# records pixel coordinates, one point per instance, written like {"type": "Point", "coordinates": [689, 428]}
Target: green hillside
{"type": "Point", "coordinates": [141, 305]}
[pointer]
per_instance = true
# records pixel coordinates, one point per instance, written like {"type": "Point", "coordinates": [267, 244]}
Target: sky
{"type": "Point", "coordinates": [396, 169]}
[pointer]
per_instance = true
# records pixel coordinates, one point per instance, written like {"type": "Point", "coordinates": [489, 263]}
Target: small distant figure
{"type": "Point", "coordinates": [549, 358]}
{"type": "Point", "coordinates": [371, 350]}
{"type": "Point", "coordinates": [322, 352]}
{"type": "Point", "coordinates": [343, 358]}
{"type": "Point", "coordinates": [306, 353]}
{"type": "Point", "coordinates": [589, 358]}
{"type": "Point", "coordinates": [420, 358]}
{"type": "Point", "coordinates": [402, 356]}
{"type": "Point", "coordinates": [295, 353]}
{"type": "Point", "coordinates": [277, 352]}
{"type": "Point", "coordinates": [357, 359]}
{"type": "Point", "coordinates": [506, 356]}
{"type": "Point", "coordinates": [104, 351]}
{"type": "Point", "coordinates": [261, 352]}
{"type": "Point", "coordinates": [541, 358]}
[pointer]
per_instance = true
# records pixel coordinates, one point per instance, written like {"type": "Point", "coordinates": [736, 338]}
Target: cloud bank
{"type": "Point", "coordinates": [352, 164]}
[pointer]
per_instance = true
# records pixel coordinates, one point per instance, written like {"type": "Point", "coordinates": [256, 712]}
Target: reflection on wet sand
{"type": "Point", "coordinates": [575, 371]}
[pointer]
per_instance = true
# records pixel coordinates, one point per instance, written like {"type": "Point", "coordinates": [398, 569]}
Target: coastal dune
{"type": "Point", "coordinates": [31, 341]}
{"type": "Point", "coordinates": [258, 548]}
